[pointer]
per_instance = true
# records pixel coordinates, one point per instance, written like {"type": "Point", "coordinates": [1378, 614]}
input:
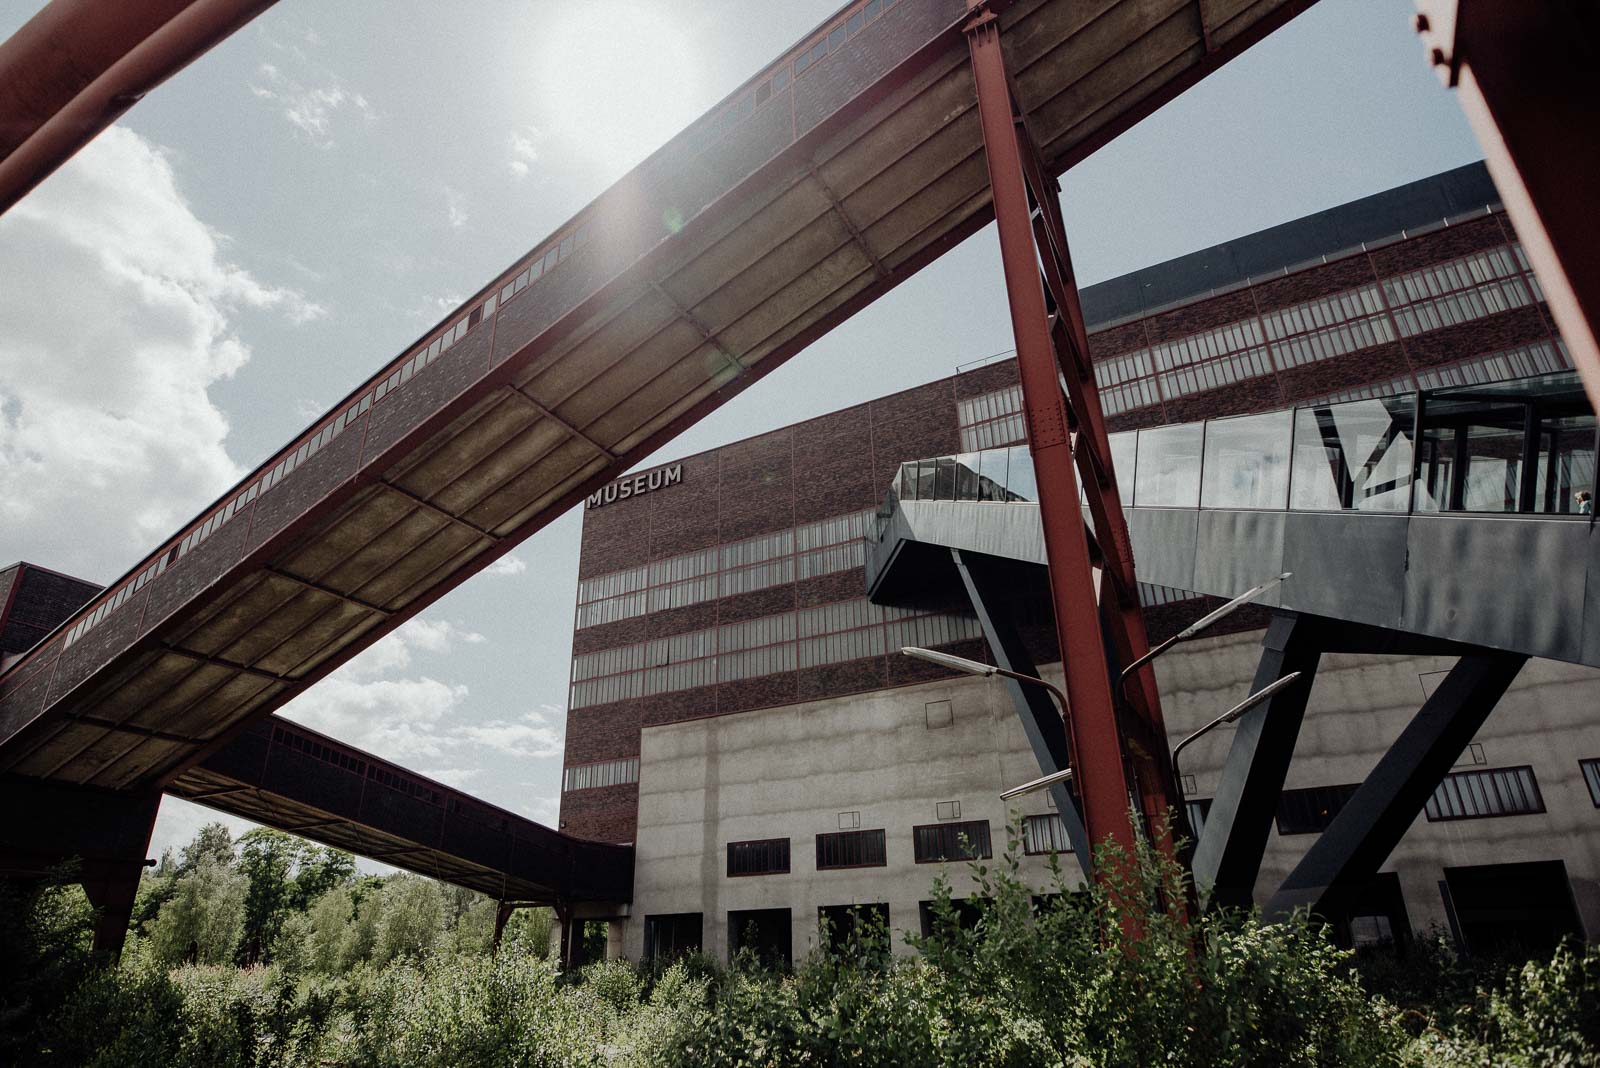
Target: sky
{"type": "Point", "coordinates": [283, 217]}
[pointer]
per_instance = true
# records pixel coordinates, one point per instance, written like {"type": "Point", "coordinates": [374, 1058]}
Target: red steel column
{"type": "Point", "coordinates": [1526, 75]}
{"type": "Point", "coordinates": [1096, 741]}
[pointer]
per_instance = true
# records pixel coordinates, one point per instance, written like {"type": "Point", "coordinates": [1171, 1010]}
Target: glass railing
{"type": "Point", "coordinates": [1524, 447]}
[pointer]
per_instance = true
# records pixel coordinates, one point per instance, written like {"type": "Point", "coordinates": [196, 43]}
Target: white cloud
{"type": "Point", "coordinates": [178, 821]}
{"type": "Point", "coordinates": [455, 208]}
{"type": "Point", "coordinates": [457, 777]}
{"type": "Point", "coordinates": [524, 147]}
{"type": "Point", "coordinates": [377, 703]}
{"type": "Point", "coordinates": [118, 310]}
{"type": "Point", "coordinates": [509, 564]}
{"type": "Point", "coordinates": [313, 110]}
{"type": "Point", "coordinates": [543, 808]}
{"type": "Point", "coordinates": [530, 737]}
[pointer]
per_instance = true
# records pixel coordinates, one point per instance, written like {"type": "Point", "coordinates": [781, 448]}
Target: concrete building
{"type": "Point", "coordinates": [739, 710]}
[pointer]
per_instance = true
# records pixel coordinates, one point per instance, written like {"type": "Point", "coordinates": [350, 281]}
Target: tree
{"type": "Point", "coordinates": [318, 870]}
{"type": "Point", "coordinates": [266, 857]}
{"type": "Point", "coordinates": [205, 917]}
{"type": "Point", "coordinates": [411, 919]}
{"type": "Point", "coordinates": [214, 840]}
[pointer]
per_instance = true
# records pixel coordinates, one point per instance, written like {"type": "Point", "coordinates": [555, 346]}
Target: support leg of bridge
{"type": "Point", "coordinates": [97, 836]}
{"type": "Point", "coordinates": [1100, 759]}
{"type": "Point", "coordinates": [1041, 720]}
{"type": "Point", "coordinates": [569, 937]}
{"type": "Point", "coordinates": [112, 888]}
{"type": "Point", "coordinates": [1228, 856]}
{"type": "Point", "coordinates": [1372, 822]}
{"type": "Point", "coordinates": [502, 914]}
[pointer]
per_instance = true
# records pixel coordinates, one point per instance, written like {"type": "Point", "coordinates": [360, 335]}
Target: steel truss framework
{"type": "Point", "coordinates": [1115, 735]}
{"type": "Point", "coordinates": [1346, 855]}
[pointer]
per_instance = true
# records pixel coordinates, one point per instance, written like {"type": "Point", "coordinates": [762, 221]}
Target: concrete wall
{"type": "Point", "coordinates": [1360, 703]}
{"type": "Point", "coordinates": [790, 771]}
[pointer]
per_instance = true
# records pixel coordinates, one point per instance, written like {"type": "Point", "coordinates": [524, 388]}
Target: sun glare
{"type": "Point", "coordinates": [616, 79]}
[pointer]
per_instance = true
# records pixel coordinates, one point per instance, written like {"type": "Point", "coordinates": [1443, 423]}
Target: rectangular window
{"type": "Point", "coordinates": [851, 849]}
{"type": "Point", "coordinates": [1310, 811]}
{"type": "Point", "coordinates": [952, 841]}
{"type": "Point", "coordinates": [991, 419]}
{"type": "Point", "coordinates": [768, 856]}
{"type": "Point", "coordinates": [1468, 795]}
{"type": "Point", "coordinates": [605, 773]}
{"type": "Point", "coordinates": [1045, 834]}
{"type": "Point", "coordinates": [1591, 778]}
{"type": "Point", "coordinates": [1198, 811]}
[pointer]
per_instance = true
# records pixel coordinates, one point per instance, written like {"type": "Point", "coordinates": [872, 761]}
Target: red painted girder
{"type": "Point", "coordinates": [1528, 76]}
{"type": "Point", "coordinates": [1094, 738]}
{"type": "Point", "coordinates": [77, 65]}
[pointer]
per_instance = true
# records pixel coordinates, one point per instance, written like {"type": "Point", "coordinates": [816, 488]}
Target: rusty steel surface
{"type": "Point", "coordinates": [77, 65]}
{"type": "Point", "coordinates": [1093, 736]}
{"type": "Point", "coordinates": [281, 774]}
{"type": "Point", "coordinates": [1526, 77]}
{"type": "Point", "coordinates": [803, 197]}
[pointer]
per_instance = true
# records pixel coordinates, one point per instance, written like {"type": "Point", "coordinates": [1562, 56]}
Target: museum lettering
{"type": "Point", "coordinates": [622, 489]}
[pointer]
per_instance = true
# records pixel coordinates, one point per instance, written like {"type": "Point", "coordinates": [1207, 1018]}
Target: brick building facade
{"type": "Point", "coordinates": [740, 586]}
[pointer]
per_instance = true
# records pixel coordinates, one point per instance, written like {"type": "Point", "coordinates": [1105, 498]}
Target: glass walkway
{"type": "Point", "coordinates": [1464, 512]}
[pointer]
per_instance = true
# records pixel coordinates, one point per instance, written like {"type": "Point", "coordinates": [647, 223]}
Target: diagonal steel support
{"type": "Point", "coordinates": [1372, 822]}
{"type": "Point", "coordinates": [1042, 722]}
{"type": "Point", "coordinates": [1109, 772]}
{"type": "Point", "coordinates": [1228, 856]}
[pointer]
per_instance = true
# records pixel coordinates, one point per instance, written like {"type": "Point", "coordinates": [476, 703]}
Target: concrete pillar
{"type": "Point", "coordinates": [615, 931]}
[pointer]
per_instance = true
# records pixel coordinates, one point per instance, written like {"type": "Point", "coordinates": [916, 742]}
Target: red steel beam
{"type": "Point", "coordinates": [77, 65]}
{"type": "Point", "coordinates": [1094, 736]}
{"type": "Point", "coordinates": [1528, 76]}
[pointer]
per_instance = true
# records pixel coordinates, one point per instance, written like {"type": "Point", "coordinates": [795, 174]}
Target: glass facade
{"type": "Point", "coordinates": [826, 634]}
{"type": "Point", "coordinates": [1247, 462]}
{"type": "Point", "coordinates": [766, 560]}
{"type": "Point", "coordinates": [1382, 311]}
{"type": "Point", "coordinates": [1354, 456]}
{"type": "Point", "coordinates": [1527, 446]}
{"type": "Point", "coordinates": [1167, 468]}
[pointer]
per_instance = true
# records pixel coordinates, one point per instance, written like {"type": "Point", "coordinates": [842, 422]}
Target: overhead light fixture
{"type": "Point", "coordinates": [1041, 783]}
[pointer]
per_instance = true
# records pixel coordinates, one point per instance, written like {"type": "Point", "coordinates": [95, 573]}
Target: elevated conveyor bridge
{"type": "Point", "coordinates": [834, 174]}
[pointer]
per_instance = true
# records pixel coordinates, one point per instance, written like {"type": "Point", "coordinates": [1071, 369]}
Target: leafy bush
{"type": "Point", "coordinates": [392, 974]}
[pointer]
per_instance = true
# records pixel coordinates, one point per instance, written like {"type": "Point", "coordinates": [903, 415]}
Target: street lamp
{"type": "Point", "coordinates": [974, 667]}
{"type": "Point", "coordinates": [1228, 717]}
{"type": "Point", "coordinates": [1041, 783]}
{"type": "Point", "coordinates": [1202, 623]}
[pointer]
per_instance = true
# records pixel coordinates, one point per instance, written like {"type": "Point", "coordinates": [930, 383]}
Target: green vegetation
{"type": "Point", "coordinates": [276, 953]}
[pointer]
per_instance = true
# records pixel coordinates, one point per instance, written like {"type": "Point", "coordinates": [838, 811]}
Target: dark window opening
{"type": "Point", "coordinates": [765, 932]}
{"type": "Point", "coordinates": [967, 914]}
{"type": "Point", "coordinates": [838, 923]}
{"type": "Point", "coordinates": [1310, 811]}
{"type": "Point", "coordinates": [1511, 909]}
{"type": "Point", "coordinates": [769, 856]}
{"type": "Point", "coordinates": [1371, 915]}
{"type": "Point", "coordinates": [952, 841]}
{"type": "Point", "coordinates": [851, 849]}
{"type": "Point", "coordinates": [668, 937]}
